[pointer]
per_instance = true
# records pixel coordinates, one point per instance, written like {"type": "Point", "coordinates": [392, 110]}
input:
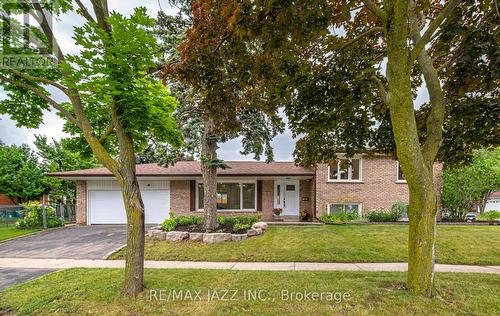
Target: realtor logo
{"type": "Point", "coordinates": [23, 26]}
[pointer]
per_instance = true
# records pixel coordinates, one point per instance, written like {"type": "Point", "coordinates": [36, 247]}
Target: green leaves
{"type": "Point", "coordinates": [20, 175]}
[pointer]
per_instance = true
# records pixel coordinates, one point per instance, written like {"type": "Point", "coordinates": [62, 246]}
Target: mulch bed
{"type": "Point", "coordinates": [223, 228]}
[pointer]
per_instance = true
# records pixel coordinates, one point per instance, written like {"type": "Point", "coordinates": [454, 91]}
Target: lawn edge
{"type": "Point", "coordinates": [39, 232]}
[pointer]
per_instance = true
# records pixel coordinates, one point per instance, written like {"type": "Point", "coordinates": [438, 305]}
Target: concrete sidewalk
{"type": "Point", "coordinates": [55, 264]}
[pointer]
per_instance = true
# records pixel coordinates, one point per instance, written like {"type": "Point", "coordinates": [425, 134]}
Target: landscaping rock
{"type": "Point", "coordinates": [160, 235]}
{"type": "Point", "coordinates": [177, 236]}
{"type": "Point", "coordinates": [261, 225]}
{"type": "Point", "coordinates": [196, 236]}
{"type": "Point", "coordinates": [238, 237]}
{"type": "Point", "coordinates": [213, 238]}
{"type": "Point", "coordinates": [252, 232]}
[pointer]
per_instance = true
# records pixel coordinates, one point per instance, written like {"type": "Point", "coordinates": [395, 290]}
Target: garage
{"type": "Point", "coordinates": [105, 203]}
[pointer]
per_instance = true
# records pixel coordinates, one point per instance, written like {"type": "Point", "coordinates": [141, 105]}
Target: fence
{"type": "Point", "coordinates": [10, 214]}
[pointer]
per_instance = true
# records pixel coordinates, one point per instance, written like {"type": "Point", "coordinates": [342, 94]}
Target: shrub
{"type": "Point", "coordinates": [489, 216]}
{"type": "Point", "coordinates": [170, 223]}
{"type": "Point", "coordinates": [338, 218]}
{"type": "Point", "coordinates": [304, 215]}
{"type": "Point", "coordinates": [399, 209]}
{"type": "Point", "coordinates": [382, 215]}
{"type": "Point", "coordinates": [32, 214]}
{"type": "Point", "coordinates": [233, 220]}
{"type": "Point", "coordinates": [241, 227]}
{"type": "Point", "coordinates": [189, 220]}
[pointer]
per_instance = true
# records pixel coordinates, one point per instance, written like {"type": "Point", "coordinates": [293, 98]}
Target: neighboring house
{"type": "Point", "coordinates": [492, 202]}
{"type": "Point", "coordinates": [246, 187]}
{"type": "Point", "coordinates": [7, 201]}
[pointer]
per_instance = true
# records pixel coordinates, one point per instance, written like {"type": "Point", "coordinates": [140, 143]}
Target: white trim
{"type": "Point", "coordinates": [241, 209]}
{"type": "Point", "coordinates": [397, 174]}
{"type": "Point", "coordinates": [360, 206]}
{"type": "Point", "coordinates": [349, 171]}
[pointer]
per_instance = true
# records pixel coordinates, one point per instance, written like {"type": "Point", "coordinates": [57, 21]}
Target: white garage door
{"type": "Point", "coordinates": [106, 206]}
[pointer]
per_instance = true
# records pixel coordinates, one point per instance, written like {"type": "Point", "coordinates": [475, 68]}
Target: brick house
{"type": "Point", "coordinates": [247, 187]}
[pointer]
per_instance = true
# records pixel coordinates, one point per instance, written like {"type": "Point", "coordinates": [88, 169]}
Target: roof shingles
{"type": "Point", "coordinates": [193, 169]}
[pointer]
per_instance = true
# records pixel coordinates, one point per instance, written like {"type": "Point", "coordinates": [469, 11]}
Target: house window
{"type": "Point", "coordinates": [400, 175]}
{"type": "Point", "coordinates": [336, 208]}
{"type": "Point", "coordinates": [345, 170]}
{"type": "Point", "coordinates": [232, 195]}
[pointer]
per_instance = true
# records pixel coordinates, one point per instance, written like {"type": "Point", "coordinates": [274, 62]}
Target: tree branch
{"type": "Point", "coordinates": [85, 13]}
{"type": "Point", "coordinates": [373, 30]}
{"type": "Point", "coordinates": [445, 12]}
{"type": "Point", "coordinates": [434, 123]}
{"type": "Point", "coordinates": [375, 9]}
{"type": "Point", "coordinates": [42, 95]}
{"type": "Point", "coordinates": [106, 133]}
{"type": "Point", "coordinates": [381, 91]}
{"type": "Point", "coordinates": [37, 79]}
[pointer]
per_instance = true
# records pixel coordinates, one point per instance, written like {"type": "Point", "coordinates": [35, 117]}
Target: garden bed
{"type": "Point", "coordinates": [230, 228]}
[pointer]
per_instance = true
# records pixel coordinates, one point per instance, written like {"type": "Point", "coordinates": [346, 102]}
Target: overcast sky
{"type": "Point", "coordinates": [52, 127]}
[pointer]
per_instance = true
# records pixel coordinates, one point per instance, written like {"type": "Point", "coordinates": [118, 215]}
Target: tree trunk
{"type": "Point", "coordinates": [134, 260]}
{"type": "Point", "coordinates": [209, 171]}
{"type": "Point", "coordinates": [421, 240]}
{"type": "Point", "coordinates": [417, 169]}
{"type": "Point", "coordinates": [134, 207]}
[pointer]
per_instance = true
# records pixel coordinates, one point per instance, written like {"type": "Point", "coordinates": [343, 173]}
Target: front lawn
{"type": "Point", "coordinates": [12, 231]}
{"type": "Point", "coordinates": [97, 292]}
{"type": "Point", "coordinates": [337, 243]}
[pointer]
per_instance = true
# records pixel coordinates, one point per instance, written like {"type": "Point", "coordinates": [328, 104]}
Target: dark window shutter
{"type": "Point", "coordinates": [192, 195]}
{"type": "Point", "coordinates": [259, 195]}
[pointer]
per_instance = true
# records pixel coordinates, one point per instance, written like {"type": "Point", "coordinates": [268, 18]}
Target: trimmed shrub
{"type": "Point", "coordinates": [171, 223]}
{"type": "Point", "coordinates": [233, 220]}
{"type": "Point", "coordinates": [383, 215]}
{"type": "Point", "coordinates": [241, 227]}
{"type": "Point", "coordinates": [489, 216]}
{"type": "Point", "coordinates": [189, 220]}
{"type": "Point", "coordinates": [338, 218]}
{"type": "Point", "coordinates": [32, 216]}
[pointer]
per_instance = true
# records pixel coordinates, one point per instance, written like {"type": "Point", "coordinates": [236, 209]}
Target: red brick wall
{"type": "Point", "coordinates": [306, 191]}
{"type": "Point", "coordinates": [81, 202]}
{"type": "Point", "coordinates": [377, 189]}
{"type": "Point", "coordinates": [267, 199]}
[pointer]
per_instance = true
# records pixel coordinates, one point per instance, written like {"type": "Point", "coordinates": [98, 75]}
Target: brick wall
{"type": "Point", "coordinates": [267, 199]}
{"type": "Point", "coordinates": [180, 197]}
{"type": "Point", "coordinates": [306, 191]}
{"type": "Point", "coordinates": [81, 202]}
{"type": "Point", "coordinates": [377, 189]}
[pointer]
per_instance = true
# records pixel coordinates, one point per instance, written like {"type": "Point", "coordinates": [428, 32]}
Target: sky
{"type": "Point", "coordinates": [52, 125]}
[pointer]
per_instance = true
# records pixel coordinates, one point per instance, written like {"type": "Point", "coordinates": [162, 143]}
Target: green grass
{"type": "Point", "coordinates": [12, 231]}
{"type": "Point", "coordinates": [337, 243]}
{"type": "Point", "coordinates": [97, 292]}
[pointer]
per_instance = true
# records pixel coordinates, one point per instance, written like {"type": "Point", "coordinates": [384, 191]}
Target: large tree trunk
{"type": "Point", "coordinates": [417, 168]}
{"type": "Point", "coordinates": [209, 172]}
{"type": "Point", "coordinates": [134, 207]}
{"type": "Point", "coordinates": [134, 260]}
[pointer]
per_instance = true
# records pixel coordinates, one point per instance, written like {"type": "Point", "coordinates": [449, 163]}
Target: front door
{"type": "Point", "coordinates": [287, 196]}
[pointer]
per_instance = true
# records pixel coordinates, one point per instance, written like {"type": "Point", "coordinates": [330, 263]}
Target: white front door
{"type": "Point", "coordinates": [286, 196]}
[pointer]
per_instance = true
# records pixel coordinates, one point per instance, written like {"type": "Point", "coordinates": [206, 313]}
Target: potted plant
{"type": "Point", "coordinates": [277, 212]}
{"type": "Point", "coordinates": [304, 215]}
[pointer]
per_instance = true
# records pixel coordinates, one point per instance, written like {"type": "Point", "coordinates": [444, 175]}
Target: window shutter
{"type": "Point", "coordinates": [259, 195]}
{"type": "Point", "coordinates": [192, 195]}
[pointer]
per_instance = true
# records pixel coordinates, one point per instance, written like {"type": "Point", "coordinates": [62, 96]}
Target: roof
{"type": "Point", "coordinates": [193, 169]}
{"type": "Point", "coordinates": [494, 195]}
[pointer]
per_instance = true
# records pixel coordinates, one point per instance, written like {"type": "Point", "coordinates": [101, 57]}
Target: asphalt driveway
{"type": "Point", "coordinates": [77, 242]}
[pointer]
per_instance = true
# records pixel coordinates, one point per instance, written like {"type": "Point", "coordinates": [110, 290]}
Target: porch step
{"type": "Point", "coordinates": [291, 218]}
